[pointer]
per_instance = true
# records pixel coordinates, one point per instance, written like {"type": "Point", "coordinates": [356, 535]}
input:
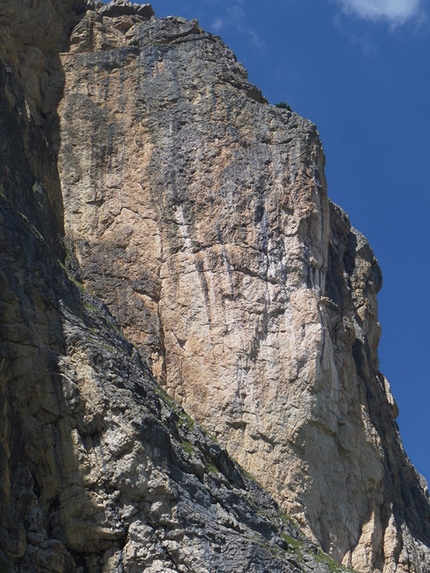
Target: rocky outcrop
{"type": "Point", "coordinates": [100, 471]}
{"type": "Point", "coordinates": [199, 214]}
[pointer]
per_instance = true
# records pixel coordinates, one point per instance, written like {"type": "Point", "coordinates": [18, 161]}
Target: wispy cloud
{"type": "Point", "coordinates": [237, 17]}
{"type": "Point", "coordinates": [393, 11]}
{"type": "Point", "coordinates": [217, 24]}
{"type": "Point", "coordinates": [234, 17]}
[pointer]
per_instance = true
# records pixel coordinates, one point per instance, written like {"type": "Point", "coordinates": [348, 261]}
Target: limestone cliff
{"type": "Point", "coordinates": [199, 214]}
{"type": "Point", "coordinates": [100, 471]}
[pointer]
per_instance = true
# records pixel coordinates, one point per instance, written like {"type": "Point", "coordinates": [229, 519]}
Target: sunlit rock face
{"type": "Point", "coordinates": [199, 214]}
{"type": "Point", "coordinates": [99, 471]}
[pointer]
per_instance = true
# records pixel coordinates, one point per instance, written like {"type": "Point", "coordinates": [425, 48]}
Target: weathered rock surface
{"type": "Point", "coordinates": [199, 214]}
{"type": "Point", "coordinates": [99, 472]}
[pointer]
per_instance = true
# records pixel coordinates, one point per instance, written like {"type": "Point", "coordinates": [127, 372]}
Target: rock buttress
{"type": "Point", "coordinates": [199, 214]}
{"type": "Point", "coordinates": [100, 472]}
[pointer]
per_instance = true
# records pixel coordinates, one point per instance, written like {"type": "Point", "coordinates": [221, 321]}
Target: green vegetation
{"type": "Point", "coordinates": [293, 544]}
{"type": "Point", "coordinates": [298, 548]}
{"type": "Point", "coordinates": [108, 348]}
{"type": "Point", "coordinates": [285, 518]}
{"type": "Point", "coordinates": [134, 43]}
{"type": "Point", "coordinates": [72, 279]}
{"type": "Point", "coordinates": [188, 447]}
{"type": "Point", "coordinates": [211, 468]}
{"type": "Point", "coordinates": [89, 306]}
{"type": "Point", "coordinates": [185, 420]}
{"type": "Point", "coordinates": [333, 566]}
{"type": "Point", "coordinates": [283, 105]}
{"type": "Point", "coordinates": [165, 397]}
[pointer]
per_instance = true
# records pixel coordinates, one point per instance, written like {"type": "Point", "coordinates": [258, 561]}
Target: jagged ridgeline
{"type": "Point", "coordinates": [170, 262]}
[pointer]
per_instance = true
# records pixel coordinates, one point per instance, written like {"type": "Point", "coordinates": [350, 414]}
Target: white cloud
{"type": "Point", "coordinates": [394, 11]}
{"type": "Point", "coordinates": [236, 14]}
{"type": "Point", "coordinates": [237, 17]}
{"type": "Point", "coordinates": [217, 24]}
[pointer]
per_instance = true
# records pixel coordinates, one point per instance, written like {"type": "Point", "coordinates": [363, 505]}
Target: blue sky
{"type": "Point", "coordinates": [360, 69]}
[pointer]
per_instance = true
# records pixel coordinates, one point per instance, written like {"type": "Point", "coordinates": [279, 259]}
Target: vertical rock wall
{"type": "Point", "coordinates": [199, 214]}
{"type": "Point", "coordinates": [99, 473]}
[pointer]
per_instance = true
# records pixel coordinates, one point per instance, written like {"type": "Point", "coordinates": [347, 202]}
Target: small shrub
{"type": "Point", "coordinates": [188, 447]}
{"type": "Point", "coordinates": [293, 544]}
{"type": "Point", "coordinates": [332, 566]}
{"type": "Point", "coordinates": [212, 468]}
{"type": "Point", "coordinates": [283, 105]}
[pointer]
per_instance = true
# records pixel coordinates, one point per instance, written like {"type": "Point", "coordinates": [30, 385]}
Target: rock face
{"type": "Point", "coordinates": [199, 214]}
{"type": "Point", "coordinates": [100, 471]}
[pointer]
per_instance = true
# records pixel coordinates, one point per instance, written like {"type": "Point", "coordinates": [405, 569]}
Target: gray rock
{"type": "Point", "coordinates": [196, 215]}
{"type": "Point", "coordinates": [124, 8]}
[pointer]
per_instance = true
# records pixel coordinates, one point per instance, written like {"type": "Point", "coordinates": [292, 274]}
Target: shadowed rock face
{"type": "Point", "coordinates": [198, 213]}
